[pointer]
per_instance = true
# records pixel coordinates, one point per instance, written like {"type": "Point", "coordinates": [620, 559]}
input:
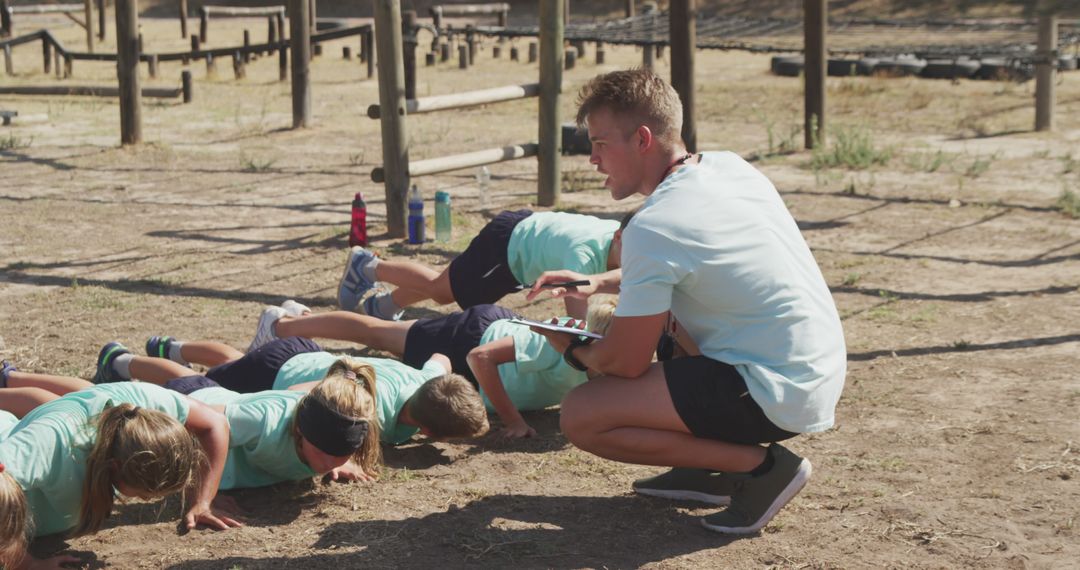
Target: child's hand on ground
{"type": "Point", "coordinates": [227, 505]}
{"type": "Point", "coordinates": [516, 430]}
{"type": "Point", "coordinates": [202, 513]}
{"type": "Point", "coordinates": [50, 563]}
{"type": "Point", "coordinates": [350, 472]}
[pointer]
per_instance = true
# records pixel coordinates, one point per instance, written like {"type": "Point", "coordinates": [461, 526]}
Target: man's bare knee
{"type": "Point", "coordinates": [441, 292]}
{"type": "Point", "coordinates": [574, 420]}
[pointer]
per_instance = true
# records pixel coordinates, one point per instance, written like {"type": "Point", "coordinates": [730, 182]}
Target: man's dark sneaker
{"type": "Point", "coordinates": [758, 499]}
{"type": "Point", "coordinates": [159, 346]}
{"type": "Point", "coordinates": [5, 369]}
{"type": "Point", "coordinates": [108, 354]}
{"type": "Point", "coordinates": [686, 484]}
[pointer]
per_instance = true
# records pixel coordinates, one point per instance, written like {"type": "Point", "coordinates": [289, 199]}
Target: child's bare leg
{"type": "Point", "coordinates": [352, 327]}
{"type": "Point", "coordinates": [157, 370]}
{"type": "Point", "coordinates": [19, 401]}
{"type": "Point", "coordinates": [209, 353]}
{"type": "Point", "coordinates": [58, 385]}
{"type": "Point", "coordinates": [418, 281]}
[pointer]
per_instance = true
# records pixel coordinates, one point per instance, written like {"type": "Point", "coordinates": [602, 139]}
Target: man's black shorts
{"type": "Point", "coordinates": [258, 369]}
{"type": "Point", "coordinates": [453, 335]}
{"type": "Point", "coordinates": [188, 384]}
{"type": "Point", "coordinates": [712, 399]}
{"type": "Point", "coordinates": [481, 274]}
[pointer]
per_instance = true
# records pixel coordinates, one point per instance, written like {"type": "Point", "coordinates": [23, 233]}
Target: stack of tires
{"type": "Point", "coordinates": [905, 65]}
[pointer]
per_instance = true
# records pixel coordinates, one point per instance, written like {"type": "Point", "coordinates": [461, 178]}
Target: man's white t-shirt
{"type": "Point", "coordinates": [716, 245]}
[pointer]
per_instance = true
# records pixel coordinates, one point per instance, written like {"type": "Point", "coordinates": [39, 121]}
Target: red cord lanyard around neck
{"type": "Point", "coordinates": [678, 162]}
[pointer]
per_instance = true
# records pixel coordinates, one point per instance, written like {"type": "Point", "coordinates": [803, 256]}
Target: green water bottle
{"type": "Point", "coordinates": [442, 216]}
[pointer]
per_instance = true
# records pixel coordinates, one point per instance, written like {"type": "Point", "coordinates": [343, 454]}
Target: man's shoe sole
{"type": "Point", "coordinates": [802, 476]}
{"type": "Point", "coordinates": [683, 495]}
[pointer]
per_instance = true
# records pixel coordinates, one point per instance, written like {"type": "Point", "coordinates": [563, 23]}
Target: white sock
{"type": "Point", "coordinates": [121, 365]}
{"type": "Point", "coordinates": [174, 352]}
{"type": "Point", "coordinates": [385, 307]}
{"type": "Point", "coordinates": [368, 270]}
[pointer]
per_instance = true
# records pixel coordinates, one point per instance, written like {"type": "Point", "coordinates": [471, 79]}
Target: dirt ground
{"type": "Point", "coordinates": [952, 262]}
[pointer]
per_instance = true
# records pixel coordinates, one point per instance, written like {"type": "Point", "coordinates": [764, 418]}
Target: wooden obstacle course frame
{"type": "Point", "coordinates": [500, 10]}
{"type": "Point", "coordinates": [205, 12]}
{"type": "Point", "coordinates": [86, 8]}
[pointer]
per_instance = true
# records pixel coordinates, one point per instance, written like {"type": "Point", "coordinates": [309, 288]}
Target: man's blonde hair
{"type": "Point", "coordinates": [449, 407]}
{"type": "Point", "coordinates": [636, 94]}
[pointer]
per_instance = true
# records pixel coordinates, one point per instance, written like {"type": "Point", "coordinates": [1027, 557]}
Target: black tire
{"type": "Point", "coordinates": [788, 65]}
{"type": "Point", "coordinates": [850, 67]}
{"type": "Point", "coordinates": [1003, 69]}
{"type": "Point", "coordinates": [1067, 63]}
{"type": "Point", "coordinates": [899, 67]}
{"type": "Point", "coordinates": [950, 69]}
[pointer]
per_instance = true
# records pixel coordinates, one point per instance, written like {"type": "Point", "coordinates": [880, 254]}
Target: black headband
{"type": "Point", "coordinates": [329, 430]}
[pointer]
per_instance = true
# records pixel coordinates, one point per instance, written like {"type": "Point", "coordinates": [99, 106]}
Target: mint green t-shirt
{"type": "Point", "coordinates": [307, 367]}
{"type": "Point", "coordinates": [262, 449]}
{"type": "Point", "coordinates": [546, 241]}
{"type": "Point", "coordinates": [46, 451]}
{"type": "Point", "coordinates": [395, 383]}
{"type": "Point", "coordinates": [538, 377]}
{"type": "Point", "coordinates": [7, 421]}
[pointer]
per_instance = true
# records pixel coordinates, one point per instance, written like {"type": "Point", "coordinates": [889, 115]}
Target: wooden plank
{"type": "Point", "coordinates": [815, 24]}
{"type": "Point", "coordinates": [240, 12]}
{"type": "Point", "coordinates": [87, 91]}
{"type": "Point", "coordinates": [683, 30]}
{"type": "Point", "coordinates": [464, 100]}
{"type": "Point", "coordinates": [462, 161]}
{"type": "Point", "coordinates": [395, 145]}
{"type": "Point", "coordinates": [550, 129]}
{"type": "Point", "coordinates": [46, 8]}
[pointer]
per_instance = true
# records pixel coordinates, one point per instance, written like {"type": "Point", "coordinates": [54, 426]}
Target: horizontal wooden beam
{"type": "Point", "coordinates": [470, 9]}
{"type": "Point", "coordinates": [46, 8]}
{"type": "Point", "coordinates": [466, 160]}
{"type": "Point", "coordinates": [238, 11]}
{"type": "Point", "coordinates": [463, 100]}
{"type": "Point", "coordinates": [87, 90]}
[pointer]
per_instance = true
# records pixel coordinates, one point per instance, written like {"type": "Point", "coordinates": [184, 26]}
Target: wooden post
{"type": "Point", "coordinates": [127, 71]}
{"type": "Point", "coordinates": [395, 147]}
{"type": "Point", "coordinates": [9, 66]}
{"type": "Point", "coordinates": [436, 17]}
{"type": "Point", "coordinates": [683, 33]}
{"type": "Point", "coordinates": [152, 66]}
{"type": "Point", "coordinates": [514, 55]}
{"type": "Point", "coordinates": [239, 70]}
{"type": "Point", "coordinates": [566, 13]}
{"type": "Point", "coordinates": [247, 44]}
{"type": "Point", "coordinates": [629, 9]}
{"type": "Point", "coordinates": [571, 58]}
{"type": "Point", "coordinates": [185, 83]}
{"type": "Point", "coordinates": [183, 8]}
{"type": "Point", "coordinates": [312, 16]}
{"type": "Point", "coordinates": [280, 19]}
{"type": "Point", "coordinates": [300, 45]}
{"type": "Point", "coordinates": [470, 39]}
{"type": "Point", "coordinates": [46, 55]}
{"type": "Point", "coordinates": [1045, 70]}
{"type": "Point", "coordinates": [68, 66]}
{"type": "Point", "coordinates": [409, 43]}
{"type": "Point", "coordinates": [550, 129]}
{"type": "Point", "coordinates": [316, 50]}
{"type": "Point", "coordinates": [496, 51]}
{"type": "Point", "coordinates": [533, 51]}
{"type": "Point", "coordinates": [444, 52]}
{"type": "Point", "coordinates": [580, 46]}
{"type": "Point", "coordinates": [271, 33]}
{"type": "Point", "coordinates": [648, 53]}
{"type": "Point", "coordinates": [5, 19]}
{"type": "Point", "coordinates": [346, 53]}
{"type": "Point", "coordinates": [88, 11]}
{"type": "Point", "coordinates": [211, 65]}
{"type": "Point", "coordinates": [101, 20]}
{"type": "Point", "coordinates": [429, 59]}
{"type": "Point", "coordinates": [195, 43]}
{"type": "Point", "coordinates": [56, 63]}
{"type": "Point", "coordinates": [283, 64]}
{"type": "Point", "coordinates": [600, 53]}
{"type": "Point", "coordinates": [141, 50]}
{"type": "Point", "coordinates": [463, 56]}
{"type": "Point", "coordinates": [815, 25]}
{"type": "Point", "coordinates": [204, 23]}
{"type": "Point", "coordinates": [503, 17]}
{"type": "Point", "coordinates": [369, 49]}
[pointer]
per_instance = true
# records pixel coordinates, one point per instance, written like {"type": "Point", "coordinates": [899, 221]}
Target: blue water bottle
{"type": "Point", "coordinates": [416, 216]}
{"type": "Point", "coordinates": [442, 216]}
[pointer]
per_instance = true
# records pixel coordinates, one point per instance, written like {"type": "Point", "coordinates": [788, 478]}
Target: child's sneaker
{"type": "Point", "coordinates": [370, 307]}
{"type": "Point", "coordinates": [758, 499]}
{"type": "Point", "coordinates": [687, 484]}
{"type": "Point", "coordinates": [159, 346]}
{"type": "Point", "coordinates": [294, 309]}
{"type": "Point", "coordinates": [5, 369]}
{"type": "Point", "coordinates": [264, 332]}
{"type": "Point", "coordinates": [353, 283]}
{"type": "Point", "coordinates": [108, 354]}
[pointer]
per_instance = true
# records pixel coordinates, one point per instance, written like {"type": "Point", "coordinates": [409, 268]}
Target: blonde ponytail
{"type": "Point", "coordinates": [16, 526]}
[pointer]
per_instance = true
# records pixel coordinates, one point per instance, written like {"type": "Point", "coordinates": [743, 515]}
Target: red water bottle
{"type": "Point", "coordinates": [358, 232]}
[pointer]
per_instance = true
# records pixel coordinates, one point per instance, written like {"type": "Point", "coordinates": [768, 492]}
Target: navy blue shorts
{"type": "Point", "coordinates": [453, 335]}
{"type": "Point", "coordinates": [712, 400]}
{"type": "Point", "coordinates": [188, 384]}
{"type": "Point", "coordinates": [258, 369]}
{"type": "Point", "coordinates": [481, 274]}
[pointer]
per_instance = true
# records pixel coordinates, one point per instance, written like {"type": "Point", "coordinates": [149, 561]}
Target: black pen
{"type": "Point", "coordinates": [580, 283]}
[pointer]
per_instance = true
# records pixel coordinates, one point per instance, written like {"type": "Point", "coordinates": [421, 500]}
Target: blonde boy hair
{"type": "Point", "coordinates": [16, 526]}
{"type": "Point", "coordinates": [349, 389]}
{"type": "Point", "coordinates": [449, 407]}
{"type": "Point", "coordinates": [601, 311]}
{"type": "Point", "coordinates": [142, 449]}
{"type": "Point", "coordinates": [636, 94]}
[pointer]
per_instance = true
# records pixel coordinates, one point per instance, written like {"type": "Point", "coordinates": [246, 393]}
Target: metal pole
{"type": "Point", "coordinates": [392, 99]}
{"type": "Point", "coordinates": [551, 69]}
{"type": "Point", "coordinates": [815, 25]}
{"type": "Point", "coordinates": [683, 30]}
{"type": "Point", "coordinates": [1045, 70]}
{"type": "Point", "coordinates": [127, 71]}
{"type": "Point", "coordinates": [300, 44]}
